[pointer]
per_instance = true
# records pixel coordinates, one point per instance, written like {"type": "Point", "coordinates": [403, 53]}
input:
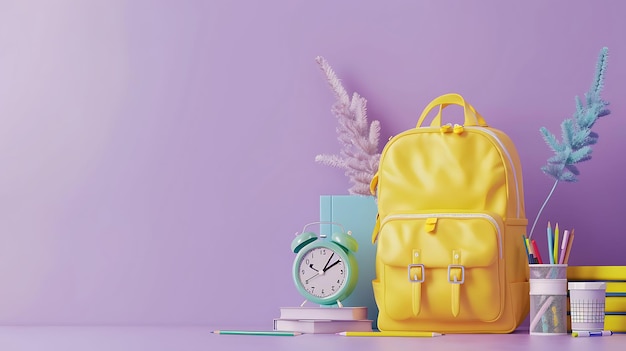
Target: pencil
{"type": "Point", "coordinates": [526, 248]}
{"type": "Point", "coordinates": [550, 244]}
{"type": "Point", "coordinates": [569, 246]}
{"type": "Point", "coordinates": [393, 333]}
{"type": "Point", "coordinates": [536, 250]}
{"type": "Point", "coordinates": [564, 246]}
{"type": "Point", "coordinates": [256, 332]}
{"type": "Point", "coordinates": [592, 333]}
{"type": "Point", "coordinates": [555, 245]}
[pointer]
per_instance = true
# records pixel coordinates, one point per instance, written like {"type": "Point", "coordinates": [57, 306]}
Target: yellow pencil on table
{"type": "Point", "coordinates": [393, 333]}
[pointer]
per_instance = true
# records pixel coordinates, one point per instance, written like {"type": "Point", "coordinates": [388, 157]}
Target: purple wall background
{"type": "Point", "coordinates": [157, 156]}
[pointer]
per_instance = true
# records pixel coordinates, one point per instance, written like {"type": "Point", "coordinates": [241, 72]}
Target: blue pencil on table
{"type": "Point", "coordinates": [584, 333]}
{"type": "Point", "coordinates": [256, 332]}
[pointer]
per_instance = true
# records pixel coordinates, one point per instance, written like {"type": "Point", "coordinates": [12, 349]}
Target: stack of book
{"type": "Point", "coordinates": [615, 303]}
{"type": "Point", "coordinates": [323, 320]}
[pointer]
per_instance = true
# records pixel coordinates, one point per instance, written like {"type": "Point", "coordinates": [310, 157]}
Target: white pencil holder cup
{"type": "Point", "coordinates": [548, 299]}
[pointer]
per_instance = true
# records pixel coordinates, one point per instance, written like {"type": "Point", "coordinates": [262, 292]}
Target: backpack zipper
{"type": "Point", "coordinates": [508, 157]}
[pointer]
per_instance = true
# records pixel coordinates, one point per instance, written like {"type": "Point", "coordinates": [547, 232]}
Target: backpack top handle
{"type": "Point", "coordinates": [472, 117]}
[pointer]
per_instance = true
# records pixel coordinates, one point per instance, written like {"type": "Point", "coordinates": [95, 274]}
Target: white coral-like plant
{"type": "Point", "coordinates": [359, 155]}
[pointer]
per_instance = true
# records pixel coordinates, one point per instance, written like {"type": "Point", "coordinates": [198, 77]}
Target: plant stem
{"type": "Point", "coordinates": [541, 209]}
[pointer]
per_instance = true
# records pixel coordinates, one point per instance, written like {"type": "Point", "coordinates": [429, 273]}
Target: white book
{"type": "Point", "coordinates": [333, 313]}
{"type": "Point", "coordinates": [313, 326]}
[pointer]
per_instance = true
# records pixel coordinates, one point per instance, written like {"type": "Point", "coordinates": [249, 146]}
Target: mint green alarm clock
{"type": "Point", "coordinates": [325, 269]}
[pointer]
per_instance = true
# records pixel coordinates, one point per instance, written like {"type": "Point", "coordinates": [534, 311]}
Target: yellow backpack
{"type": "Point", "coordinates": [450, 224]}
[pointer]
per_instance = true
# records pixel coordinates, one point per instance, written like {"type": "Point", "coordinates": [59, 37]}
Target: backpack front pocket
{"type": "Point", "coordinates": [441, 266]}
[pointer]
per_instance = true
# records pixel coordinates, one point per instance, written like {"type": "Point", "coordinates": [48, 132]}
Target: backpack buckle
{"type": "Point", "coordinates": [413, 277]}
{"type": "Point", "coordinates": [455, 280]}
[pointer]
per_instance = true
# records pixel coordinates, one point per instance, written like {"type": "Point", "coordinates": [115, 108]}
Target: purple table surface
{"type": "Point", "coordinates": [97, 338]}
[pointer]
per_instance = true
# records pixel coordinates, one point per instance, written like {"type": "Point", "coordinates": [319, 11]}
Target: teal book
{"type": "Point", "coordinates": [356, 213]}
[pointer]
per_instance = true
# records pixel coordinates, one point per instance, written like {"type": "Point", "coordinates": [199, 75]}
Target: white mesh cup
{"type": "Point", "coordinates": [587, 305]}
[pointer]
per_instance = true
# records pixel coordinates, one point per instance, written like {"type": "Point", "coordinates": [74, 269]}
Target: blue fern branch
{"type": "Point", "coordinates": [576, 134]}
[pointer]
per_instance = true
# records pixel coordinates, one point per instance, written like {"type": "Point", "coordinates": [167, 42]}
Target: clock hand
{"type": "Point", "coordinates": [311, 278]}
{"type": "Point", "coordinates": [331, 266]}
{"type": "Point", "coordinates": [326, 265]}
{"type": "Point", "coordinates": [317, 273]}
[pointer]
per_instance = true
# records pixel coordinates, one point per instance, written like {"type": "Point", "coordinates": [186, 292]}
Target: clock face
{"type": "Point", "coordinates": [322, 272]}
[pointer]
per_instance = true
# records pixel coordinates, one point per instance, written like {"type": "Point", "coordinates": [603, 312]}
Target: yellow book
{"type": "Point", "coordinates": [616, 287]}
{"type": "Point", "coordinates": [615, 304]}
{"type": "Point", "coordinates": [605, 273]}
{"type": "Point", "coordinates": [616, 323]}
